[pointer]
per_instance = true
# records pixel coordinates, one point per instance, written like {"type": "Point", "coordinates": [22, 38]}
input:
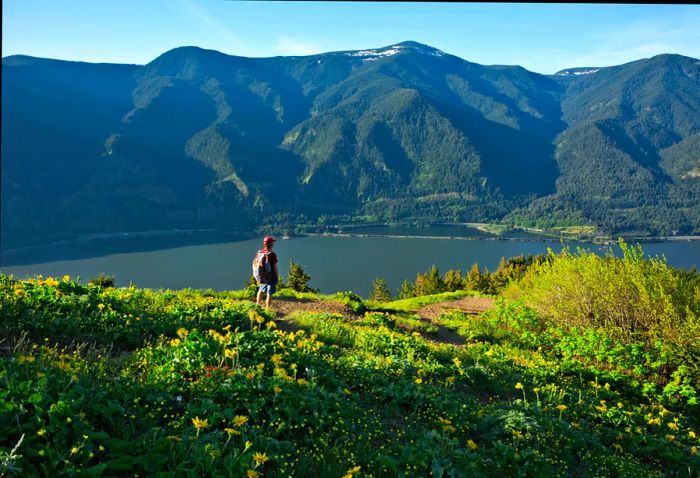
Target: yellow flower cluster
{"type": "Point", "coordinates": [352, 471]}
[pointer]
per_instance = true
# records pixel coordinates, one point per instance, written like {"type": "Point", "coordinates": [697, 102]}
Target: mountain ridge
{"type": "Point", "coordinates": [198, 138]}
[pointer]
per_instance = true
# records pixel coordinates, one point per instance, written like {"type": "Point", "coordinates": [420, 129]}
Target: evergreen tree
{"type": "Point", "coordinates": [406, 291]}
{"type": "Point", "coordinates": [430, 283]}
{"type": "Point", "coordinates": [474, 279]}
{"type": "Point", "coordinates": [380, 291]}
{"type": "Point", "coordinates": [297, 279]}
{"type": "Point", "coordinates": [453, 280]}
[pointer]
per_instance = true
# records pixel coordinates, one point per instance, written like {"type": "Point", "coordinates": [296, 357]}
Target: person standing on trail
{"type": "Point", "coordinates": [265, 271]}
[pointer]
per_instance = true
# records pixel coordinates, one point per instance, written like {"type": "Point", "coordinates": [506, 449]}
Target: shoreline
{"type": "Point", "coordinates": [538, 236]}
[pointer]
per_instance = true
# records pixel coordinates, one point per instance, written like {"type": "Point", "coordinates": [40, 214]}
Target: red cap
{"type": "Point", "coordinates": [268, 239]}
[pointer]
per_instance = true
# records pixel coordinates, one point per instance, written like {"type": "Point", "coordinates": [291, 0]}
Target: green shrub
{"type": "Point", "coordinates": [103, 281]}
{"type": "Point", "coordinates": [633, 298]}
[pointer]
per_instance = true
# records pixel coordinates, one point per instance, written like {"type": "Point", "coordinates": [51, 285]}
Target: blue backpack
{"type": "Point", "coordinates": [261, 267]}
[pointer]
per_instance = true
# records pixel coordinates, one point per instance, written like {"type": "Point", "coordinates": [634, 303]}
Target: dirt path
{"type": "Point", "coordinates": [470, 305]}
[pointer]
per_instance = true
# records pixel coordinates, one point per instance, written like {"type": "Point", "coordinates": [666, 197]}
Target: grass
{"type": "Point", "coordinates": [218, 390]}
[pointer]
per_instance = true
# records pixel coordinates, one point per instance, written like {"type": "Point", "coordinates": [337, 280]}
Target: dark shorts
{"type": "Point", "coordinates": [268, 288]}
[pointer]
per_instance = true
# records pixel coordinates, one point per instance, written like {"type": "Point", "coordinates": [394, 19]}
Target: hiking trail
{"type": "Point", "coordinates": [472, 306]}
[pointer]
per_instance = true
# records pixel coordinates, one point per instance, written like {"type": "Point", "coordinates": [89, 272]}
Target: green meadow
{"type": "Point", "coordinates": [584, 366]}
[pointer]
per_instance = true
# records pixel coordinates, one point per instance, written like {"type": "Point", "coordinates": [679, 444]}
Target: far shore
{"type": "Point", "coordinates": [488, 234]}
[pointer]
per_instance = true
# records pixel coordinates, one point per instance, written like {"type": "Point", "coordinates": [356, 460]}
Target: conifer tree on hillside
{"type": "Point", "coordinates": [406, 291]}
{"type": "Point", "coordinates": [380, 291]}
{"type": "Point", "coordinates": [474, 280]}
{"type": "Point", "coordinates": [454, 280]}
{"type": "Point", "coordinates": [297, 279]}
{"type": "Point", "coordinates": [430, 283]}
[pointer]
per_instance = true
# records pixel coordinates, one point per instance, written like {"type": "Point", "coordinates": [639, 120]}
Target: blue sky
{"type": "Point", "coordinates": [540, 37]}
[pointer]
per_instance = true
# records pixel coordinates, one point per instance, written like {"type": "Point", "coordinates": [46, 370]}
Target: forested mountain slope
{"type": "Point", "coordinates": [200, 139]}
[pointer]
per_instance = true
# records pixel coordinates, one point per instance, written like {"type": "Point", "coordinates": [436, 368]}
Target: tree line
{"type": "Point", "coordinates": [432, 282]}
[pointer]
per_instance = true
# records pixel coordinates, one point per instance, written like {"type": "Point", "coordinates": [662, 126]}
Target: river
{"type": "Point", "coordinates": [334, 263]}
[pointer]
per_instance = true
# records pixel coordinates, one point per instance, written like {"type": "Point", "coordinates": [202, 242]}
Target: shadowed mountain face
{"type": "Point", "coordinates": [199, 139]}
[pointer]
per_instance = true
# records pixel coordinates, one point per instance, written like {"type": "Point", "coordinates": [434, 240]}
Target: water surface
{"type": "Point", "coordinates": [334, 263]}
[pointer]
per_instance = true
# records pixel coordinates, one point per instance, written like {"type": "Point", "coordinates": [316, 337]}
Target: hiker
{"type": "Point", "coordinates": [265, 271]}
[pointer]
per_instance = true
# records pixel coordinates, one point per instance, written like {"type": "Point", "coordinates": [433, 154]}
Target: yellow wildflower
{"type": "Point", "coordinates": [248, 444]}
{"type": "Point", "coordinates": [198, 423]}
{"type": "Point", "coordinates": [182, 332]}
{"type": "Point", "coordinates": [351, 472]}
{"type": "Point", "coordinates": [260, 458]}
{"type": "Point", "coordinates": [51, 282]}
{"type": "Point", "coordinates": [228, 353]}
{"type": "Point", "coordinates": [66, 278]}
{"type": "Point", "coordinates": [240, 420]}
{"type": "Point", "coordinates": [670, 437]}
{"type": "Point", "coordinates": [231, 431]}
{"type": "Point", "coordinates": [41, 432]}
{"type": "Point", "coordinates": [217, 336]}
{"type": "Point", "coordinates": [100, 306]}
{"type": "Point", "coordinates": [26, 359]}
{"type": "Point", "coordinates": [276, 359]}
{"type": "Point", "coordinates": [175, 342]}
{"type": "Point", "coordinates": [347, 392]}
{"type": "Point", "coordinates": [694, 450]}
{"type": "Point", "coordinates": [518, 386]}
{"type": "Point", "coordinates": [271, 324]}
{"type": "Point", "coordinates": [471, 444]}
{"type": "Point", "coordinates": [672, 426]}
{"type": "Point", "coordinates": [252, 474]}
{"type": "Point", "coordinates": [302, 381]}
{"type": "Point", "coordinates": [277, 389]}
{"type": "Point", "coordinates": [562, 407]}
{"type": "Point", "coordinates": [250, 375]}
{"type": "Point", "coordinates": [691, 434]}
{"type": "Point", "coordinates": [618, 447]}
{"type": "Point", "coordinates": [419, 381]}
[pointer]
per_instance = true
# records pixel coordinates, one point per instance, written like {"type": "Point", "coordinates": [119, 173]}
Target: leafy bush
{"type": "Point", "coordinates": [631, 299]}
{"type": "Point", "coordinates": [102, 280]}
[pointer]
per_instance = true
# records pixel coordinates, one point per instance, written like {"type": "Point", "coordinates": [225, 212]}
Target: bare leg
{"type": "Point", "coordinates": [258, 297]}
{"type": "Point", "coordinates": [267, 301]}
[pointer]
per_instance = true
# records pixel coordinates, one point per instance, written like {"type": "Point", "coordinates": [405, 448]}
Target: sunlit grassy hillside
{"type": "Point", "coordinates": [132, 382]}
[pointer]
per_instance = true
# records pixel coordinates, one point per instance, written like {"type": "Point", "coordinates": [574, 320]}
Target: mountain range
{"type": "Point", "coordinates": [200, 139]}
